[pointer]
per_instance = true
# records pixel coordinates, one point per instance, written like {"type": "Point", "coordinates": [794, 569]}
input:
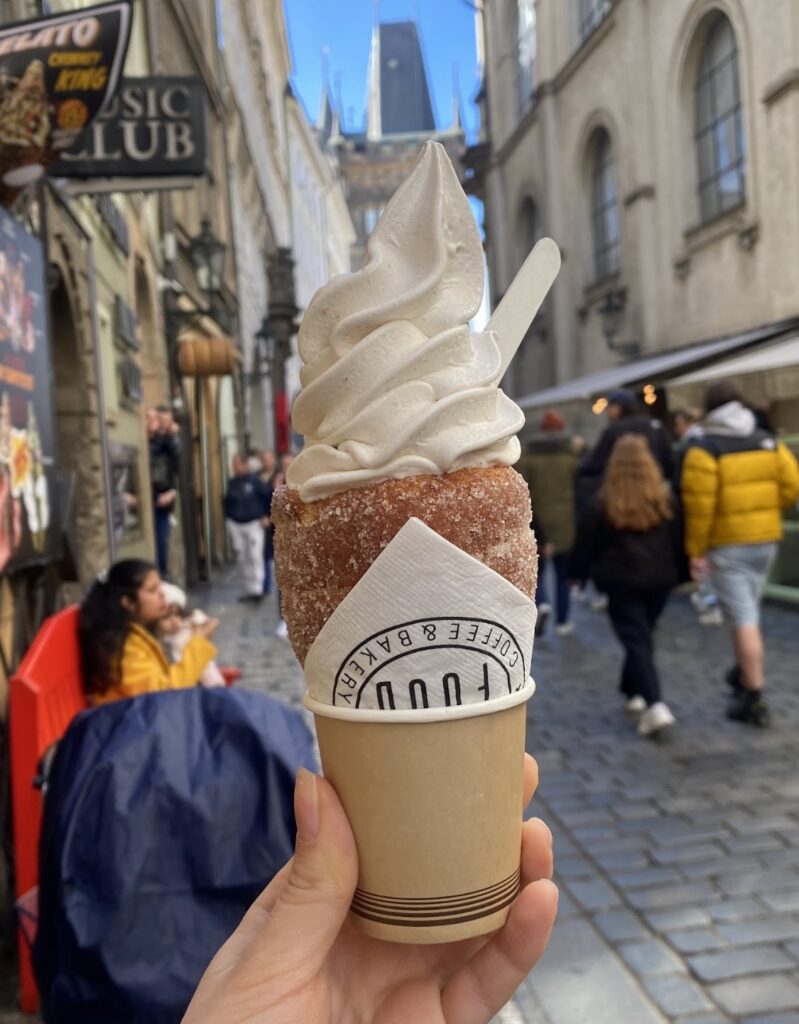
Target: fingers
{"type": "Point", "coordinates": [309, 896]}
{"type": "Point", "coordinates": [316, 891]}
{"type": "Point", "coordinates": [483, 986]}
{"type": "Point", "coordinates": [530, 779]}
{"type": "Point", "coordinates": [537, 851]}
{"type": "Point", "coordinates": [252, 924]}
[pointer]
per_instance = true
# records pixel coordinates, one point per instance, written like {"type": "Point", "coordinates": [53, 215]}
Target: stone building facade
{"type": "Point", "coordinates": [322, 226]}
{"type": "Point", "coordinates": [656, 143]}
{"type": "Point", "coordinates": [256, 66]}
{"type": "Point", "coordinates": [292, 229]}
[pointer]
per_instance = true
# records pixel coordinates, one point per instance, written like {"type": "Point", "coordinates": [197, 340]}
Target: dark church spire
{"type": "Point", "coordinates": [398, 101]}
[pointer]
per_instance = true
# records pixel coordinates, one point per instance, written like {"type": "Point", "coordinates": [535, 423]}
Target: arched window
{"type": "Point", "coordinates": [525, 52]}
{"type": "Point", "coordinates": [604, 208]}
{"type": "Point", "coordinates": [720, 149]}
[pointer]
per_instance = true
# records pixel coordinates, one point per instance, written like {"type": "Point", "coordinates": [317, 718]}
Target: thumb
{"type": "Point", "coordinates": [316, 896]}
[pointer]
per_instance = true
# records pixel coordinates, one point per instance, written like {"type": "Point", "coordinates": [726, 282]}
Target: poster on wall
{"type": "Point", "coordinates": [56, 75]}
{"type": "Point", "coordinates": [27, 470]}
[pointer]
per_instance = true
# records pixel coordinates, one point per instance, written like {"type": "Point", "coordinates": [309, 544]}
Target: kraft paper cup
{"type": "Point", "coordinates": [418, 682]}
{"type": "Point", "coordinates": [436, 809]}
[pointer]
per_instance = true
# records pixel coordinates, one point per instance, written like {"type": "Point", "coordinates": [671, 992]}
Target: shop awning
{"type": "Point", "coordinates": [659, 367]}
{"type": "Point", "coordinates": [777, 356]}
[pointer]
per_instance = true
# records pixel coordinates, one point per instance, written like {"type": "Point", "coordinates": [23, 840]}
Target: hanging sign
{"type": "Point", "coordinates": [56, 75]}
{"type": "Point", "coordinates": [152, 128]}
{"type": "Point", "coordinates": [26, 408]}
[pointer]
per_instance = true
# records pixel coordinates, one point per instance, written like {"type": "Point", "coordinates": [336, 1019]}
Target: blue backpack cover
{"type": "Point", "coordinates": [164, 818]}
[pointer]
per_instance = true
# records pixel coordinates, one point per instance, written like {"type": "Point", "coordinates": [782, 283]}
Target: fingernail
{"type": "Point", "coordinates": [306, 806]}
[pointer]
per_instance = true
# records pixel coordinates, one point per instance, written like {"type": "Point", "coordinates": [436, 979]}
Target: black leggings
{"type": "Point", "coordinates": [633, 615]}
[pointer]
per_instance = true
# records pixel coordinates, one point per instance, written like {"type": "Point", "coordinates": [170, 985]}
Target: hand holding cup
{"type": "Point", "coordinates": [297, 956]}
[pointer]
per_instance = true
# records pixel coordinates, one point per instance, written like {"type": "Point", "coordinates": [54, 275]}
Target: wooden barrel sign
{"type": "Point", "coordinates": [206, 357]}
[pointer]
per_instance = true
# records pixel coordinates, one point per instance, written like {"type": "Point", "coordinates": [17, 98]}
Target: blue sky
{"type": "Point", "coordinates": [447, 31]}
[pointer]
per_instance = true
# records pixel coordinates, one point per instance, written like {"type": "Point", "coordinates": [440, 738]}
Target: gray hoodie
{"type": "Point", "coordinates": [730, 420]}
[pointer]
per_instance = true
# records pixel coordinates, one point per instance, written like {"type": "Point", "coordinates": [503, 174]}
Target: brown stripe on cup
{"type": "Point", "coordinates": [444, 910]}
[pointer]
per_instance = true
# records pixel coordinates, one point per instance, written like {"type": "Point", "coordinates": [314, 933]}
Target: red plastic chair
{"type": "Point", "coordinates": [45, 695]}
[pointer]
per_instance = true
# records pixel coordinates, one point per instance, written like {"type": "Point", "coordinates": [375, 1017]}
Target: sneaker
{"type": "Point", "coordinates": [282, 629]}
{"type": "Point", "coordinates": [599, 603]}
{"type": "Point", "coordinates": [543, 614]}
{"type": "Point", "coordinates": [635, 705]}
{"type": "Point", "coordinates": [713, 616]}
{"type": "Point", "coordinates": [749, 707]}
{"type": "Point", "coordinates": [564, 628]}
{"type": "Point", "coordinates": [655, 719]}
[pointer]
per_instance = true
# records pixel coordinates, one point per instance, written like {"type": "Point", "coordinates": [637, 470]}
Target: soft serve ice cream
{"type": "Point", "coordinates": [394, 383]}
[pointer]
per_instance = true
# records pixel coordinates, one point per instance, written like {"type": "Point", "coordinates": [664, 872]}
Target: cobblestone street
{"type": "Point", "coordinates": [678, 862]}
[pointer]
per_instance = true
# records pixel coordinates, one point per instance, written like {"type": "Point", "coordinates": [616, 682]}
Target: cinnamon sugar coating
{"type": "Point", "coordinates": [322, 548]}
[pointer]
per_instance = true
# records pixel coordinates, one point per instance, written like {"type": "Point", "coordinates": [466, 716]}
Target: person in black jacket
{"type": "Point", "coordinates": [247, 505]}
{"type": "Point", "coordinates": [626, 417]}
{"type": "Point", "coordinates": [164, 440]}
{"type": "Point", "coordinates": [628, 541]}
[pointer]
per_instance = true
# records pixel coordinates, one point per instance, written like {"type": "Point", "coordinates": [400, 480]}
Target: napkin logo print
{"type": "Point", "coordinates": [432, 662]}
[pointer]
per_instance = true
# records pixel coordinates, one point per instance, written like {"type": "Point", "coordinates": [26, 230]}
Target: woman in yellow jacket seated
{"type": "Point", "coordinates": [120, 656]}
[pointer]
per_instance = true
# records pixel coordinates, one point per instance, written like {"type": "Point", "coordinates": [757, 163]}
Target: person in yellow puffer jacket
{"type": "Point", "coordinates": [735, 482]}
{"type": "Point", "coordinates": [120, 656]}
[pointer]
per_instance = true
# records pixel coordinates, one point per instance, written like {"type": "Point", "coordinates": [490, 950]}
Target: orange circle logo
{"type": "Point", "coordinates": [72, 114]}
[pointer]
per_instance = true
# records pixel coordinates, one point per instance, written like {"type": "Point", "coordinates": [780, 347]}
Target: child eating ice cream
{"type": "Point", "coordinates": [176, 628]}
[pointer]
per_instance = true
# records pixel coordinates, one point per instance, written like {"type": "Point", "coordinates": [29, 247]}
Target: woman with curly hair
{"type": "Point", "coordinates": [629, 543]}
{"type": "Point", "coordinates": [120, 656]}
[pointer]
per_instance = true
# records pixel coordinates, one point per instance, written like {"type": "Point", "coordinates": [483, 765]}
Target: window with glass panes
{"type": "Point", "coordinates": [525, 52]}
{"type": "Point", "coordinates": [592, 13]}
{"type": "Point", "coordinates": [720, 148]}
{"type": "Point", "coordinates": [605, 209]}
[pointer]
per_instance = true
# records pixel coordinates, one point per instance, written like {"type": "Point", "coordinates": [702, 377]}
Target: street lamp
{"type": "Point", "coordinates": [207, 255]}
{"type": "Point", "coordinates": [611, 312]}
{"type": "Point", "coordinates": [266, 336]}
{"type": "Point", "coordinates": [265, 347]}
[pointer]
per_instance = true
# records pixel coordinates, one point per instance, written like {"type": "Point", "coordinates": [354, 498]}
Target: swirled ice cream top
{"type": "Point", "coordinates": [393, 382]}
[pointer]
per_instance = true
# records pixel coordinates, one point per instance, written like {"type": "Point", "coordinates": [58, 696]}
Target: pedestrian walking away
{"type": "Point", "coordinates": [627, 416]}
{"type": "Point", "coordinates": [736, 479]}
{"type": "Point", "coordinates": [247, 504]}
{"type": "Point", "coordinates": [628, 541]}
{"type": "Point", "coordinates": [549, 467]}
